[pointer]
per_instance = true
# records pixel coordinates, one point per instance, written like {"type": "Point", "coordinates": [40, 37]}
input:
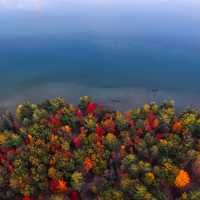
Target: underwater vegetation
{"type": "Point", "coordinates": [57, 151]}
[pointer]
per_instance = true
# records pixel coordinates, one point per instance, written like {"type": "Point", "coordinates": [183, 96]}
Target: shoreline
{"type": "Point", "coordinates": [116, 98]}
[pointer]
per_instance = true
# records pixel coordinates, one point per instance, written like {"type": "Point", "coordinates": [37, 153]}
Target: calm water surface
{"type": "Point", "coordinates": [107, 49]}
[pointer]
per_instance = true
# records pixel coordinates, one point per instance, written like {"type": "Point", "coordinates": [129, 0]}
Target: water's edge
{"type": "Point", "coordinates": [117, 98]}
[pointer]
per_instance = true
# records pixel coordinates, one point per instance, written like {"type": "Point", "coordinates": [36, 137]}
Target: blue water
{"type": "Point", "coordinates": [112, 44]}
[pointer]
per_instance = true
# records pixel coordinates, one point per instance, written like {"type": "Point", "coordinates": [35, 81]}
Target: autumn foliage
{"type": "Point", "coordinates": [57, 151]}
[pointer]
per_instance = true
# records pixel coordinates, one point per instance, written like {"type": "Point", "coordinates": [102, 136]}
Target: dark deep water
{"type": "Point", "coordinates": [107, 50]}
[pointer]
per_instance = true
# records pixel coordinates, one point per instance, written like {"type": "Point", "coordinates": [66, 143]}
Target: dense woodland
{"type": "Point", "coordinates": [59, 151]}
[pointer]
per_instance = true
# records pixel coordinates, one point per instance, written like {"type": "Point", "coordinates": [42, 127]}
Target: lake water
{"type": "Point", "coordinates": [123, 53]}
